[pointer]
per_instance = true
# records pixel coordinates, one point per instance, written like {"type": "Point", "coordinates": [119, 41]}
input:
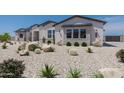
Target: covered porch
{"type": "Point", "coordinates": [35, 35]}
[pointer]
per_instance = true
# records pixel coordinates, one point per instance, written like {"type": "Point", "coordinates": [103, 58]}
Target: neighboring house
{"type": "Point", "coordinates": [74, 29]}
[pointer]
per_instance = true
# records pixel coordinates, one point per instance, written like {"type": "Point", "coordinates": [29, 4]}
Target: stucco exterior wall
{"type": "Point", "coordinates": [100, 33]}
{"type": "Point", "coordinates": [32, 31]}
{"type": "Point", "coordinates": [18, 36]}
{"type": "Point", "coordinates": [60, 34]}
{"type": "Point", "coordinates": [44, 31]}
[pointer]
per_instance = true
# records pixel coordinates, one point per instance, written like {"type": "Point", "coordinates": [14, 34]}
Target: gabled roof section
{"type": "Point", "coordinates": [77, 25]}
{"type": "Point", "coordinates": [47, 22]}
{"type": "Point", "coordinates": [104, 22]}
{"type": "Point", "coordinates": [34, 25]}
{"type": "Point", "coordinates": [21, 30]}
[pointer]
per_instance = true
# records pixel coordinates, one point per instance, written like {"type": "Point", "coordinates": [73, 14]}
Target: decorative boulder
{"type": "Point", "coordinates": [48, 48]}
{"type": "Point", "coordinates": [111, 73]}
{"type": "Point", "coordinates": [32, 46]}
{"type": "Point", "coordinates": [24, 53]}
{"type": "Point", "coordinates": [97, 43]}
{"type": "Point", "coordinates": [73, 52]}
{"type": "Point", "coordinates": [37, 51]}
{"type": "Point", "coordinates": [22, 46]}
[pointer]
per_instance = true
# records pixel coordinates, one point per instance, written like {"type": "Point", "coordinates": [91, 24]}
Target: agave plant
{"type": "Point", "coordinates": [74, 73]}
{"type": "Point", "coordinates": [98, 75]}
{"type": "Point", "coordinates": [48, 72]}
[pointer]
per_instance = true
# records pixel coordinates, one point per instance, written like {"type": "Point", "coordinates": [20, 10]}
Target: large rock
{"type": "Point", "coordinates": [47, 48]}
{"type": "Point", "coordinates": [111, 72]}
{"type": "Point", "coordinates": [32, 46]}
{"type": "Point", "coordinates": [22, 46]}
{"type": "Point", "coordinates": [97, 43]}
{"type": "Point", "coordinates": [24, 53]}
{"type": "Point", "coordinates": [73, 52]}
{"type": "Point", "coordinates": [37, 51]}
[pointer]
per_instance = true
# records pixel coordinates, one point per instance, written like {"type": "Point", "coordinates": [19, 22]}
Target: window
{"type": "Point", "coordinates": [82, 33]}
{"type": "Point", "coordinates": [21, 35]}
{"type": "Point", "coordinates": [75, 33]}
{"type": "Point", "coordinates": [69, 33]}
{"type": "Point", "coordinates": [49, 33]}
{"type": "Point", "coordinates": [53, 33]}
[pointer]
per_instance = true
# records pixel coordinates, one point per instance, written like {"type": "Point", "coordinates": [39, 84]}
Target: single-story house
{"type": "Point", "coordinates": [74, 29]}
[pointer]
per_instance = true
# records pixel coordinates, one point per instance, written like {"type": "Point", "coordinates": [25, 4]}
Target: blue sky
{"type": "Point", "coordinates": [10, 23]}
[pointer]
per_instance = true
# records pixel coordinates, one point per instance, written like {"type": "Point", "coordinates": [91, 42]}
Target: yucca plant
{"type": "Point", "coordinates": [48, 72]}
{"type": "Point", "coordinates": [4, 46]}
{"type": "Point", "coordinates": [74, 73]}
{"type": "Point", "coordinates": [98, 75]}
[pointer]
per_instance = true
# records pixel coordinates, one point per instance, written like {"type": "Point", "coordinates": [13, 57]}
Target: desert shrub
{"type": "Point", "coordinates": [4, 46]}
{"type": "Point", "coordinates": [74, 73]}
{"type": "Point", "coordinates": [84, 44]}
{"type": "Point", "coordinates": [19, 49]}
{"type": "Point", "coordinates": [76, 44]}
{"type": "Point", "coordinates": [120, 55]}
{"type": "Point", "coordinates": [11, 68]}
{"type": "Point", "coordinates": [48, 72]}
{"type": "Point", "coordinates": [32, 47]}
{"type": "Point", "coordinates": [49, 49]}
{"type": "Point", "coordinates": [68, 44]}
{"type": "Point", "coordinates": [89, 50]}
{"type": "Point", "coordinates": [98, 75]}
{"type": "Point", "coordinates": [49, 42]}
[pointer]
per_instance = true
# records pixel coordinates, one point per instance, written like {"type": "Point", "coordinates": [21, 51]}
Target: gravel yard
{"type": "Point", "coordinates": [88, 63]}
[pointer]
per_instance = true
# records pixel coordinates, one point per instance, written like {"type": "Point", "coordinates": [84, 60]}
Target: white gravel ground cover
{"type": "Point", "coordinates": [88, 63]}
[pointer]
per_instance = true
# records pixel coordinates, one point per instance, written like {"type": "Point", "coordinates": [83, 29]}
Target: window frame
{"type": "Point", "coordinates": [83, 34]}
{"type": "Point", "coordinates": [71, 31]}
{"type": "Point", "coordinates": [74, 36]}
{"type": "Point", "coordinates": [49, 34]}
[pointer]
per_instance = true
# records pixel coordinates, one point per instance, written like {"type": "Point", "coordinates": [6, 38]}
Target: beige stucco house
{"type": "Point", "coordinates": [74, 29]}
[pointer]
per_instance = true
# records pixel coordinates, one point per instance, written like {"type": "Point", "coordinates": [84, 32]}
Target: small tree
{"type": "Point", "coordinates": [5, 37]}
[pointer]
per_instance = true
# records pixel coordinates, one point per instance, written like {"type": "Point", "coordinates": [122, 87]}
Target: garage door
{"type": "Point", "coordinates": [113, 38]}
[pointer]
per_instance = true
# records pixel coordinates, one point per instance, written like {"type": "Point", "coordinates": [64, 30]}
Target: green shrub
{"type": "Point", "coordinates": [98, 75]}
{"type": "Point", "coordinates": [84, 44]}
{"type": "Point", "coordinates": [11, 68]}
{"type": "Point", "coordinates": [48, 72]}
{"type": "Point", "coordinates": [74, 73]}
{"type": "Point", "coordinates": [5, 37]}
{"type": "Point", "coordinates": [68, 44]}
{"type": "Point", "coordinates": [49, 42]}
{"type": "Point", "coordinates": [76, 44]}
{"type": "Point", "coordinates": [89, 50]}
{"type": "Point", "coordinates": [32, 47]}
{"type": "Point", "coordinates": [120, 55]}
{"type": "Point", "coordinates": [4, 46]}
